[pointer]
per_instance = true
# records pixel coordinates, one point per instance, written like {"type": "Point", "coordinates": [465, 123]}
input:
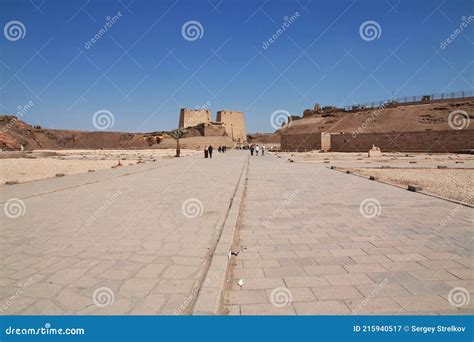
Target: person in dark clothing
{"type": "Point", "coordinates": [205, 152]}
{"type": "Point", "coordinates": [210, 148]}
{"type": "Point", "coordinates": [251, 150]}
{"type": "Point", "coordinates": [219, 149]}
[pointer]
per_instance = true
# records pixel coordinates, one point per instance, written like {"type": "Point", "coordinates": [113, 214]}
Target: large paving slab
{"type": "Point", "coordinates": [131, 240]}
{"type": "Point", "coordinates": [316, 241]}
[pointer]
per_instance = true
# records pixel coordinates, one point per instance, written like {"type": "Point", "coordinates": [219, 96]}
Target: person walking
{"type": "Point", "coordinates": [263, 150]}
{"type": "Point", "coordinates": [256, 149]}
{"type": "Point", "coordinates": [205, 152]}
{"type": "Point", "coordinates": [251, 150]}
{"type": "Point", "coordinates": [210, 148]}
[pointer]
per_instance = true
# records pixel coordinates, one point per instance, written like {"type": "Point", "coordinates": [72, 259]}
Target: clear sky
{"type": "Point", "coordinates": [144, 66]}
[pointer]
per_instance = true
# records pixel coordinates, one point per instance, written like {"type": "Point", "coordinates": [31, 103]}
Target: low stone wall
{"type": "Point", "coordinates": [419, 141]}
{"type": "Point", "coordinates": [301, 142]}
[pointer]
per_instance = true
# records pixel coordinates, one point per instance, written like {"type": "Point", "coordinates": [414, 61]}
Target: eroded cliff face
{"type": "Point", "coordinates": [14, 133]}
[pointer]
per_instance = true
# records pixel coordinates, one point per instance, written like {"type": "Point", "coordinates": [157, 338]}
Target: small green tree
{"type": "Point", "coordinates": [177, 134]}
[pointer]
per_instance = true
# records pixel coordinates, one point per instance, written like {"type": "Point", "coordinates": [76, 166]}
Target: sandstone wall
{"type": "Point", "coordinates": [193, 117]}
{"type": "Point", "coordinates": [301, 142]}
{"type": "Point", "coordinates": [234, 124]}
{"type": "Point", "coordinates": [214, 131]}
{"type": "Point", "coordinates": [325, 141]}
{"type": "Point", "coordinates": [418, 141]}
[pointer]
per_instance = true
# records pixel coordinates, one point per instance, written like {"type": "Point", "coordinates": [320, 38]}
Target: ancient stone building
{"type": "Point", "coordinates": [193, 117]}
{"type": "Point", "coordinates": [234, 124]}
{"type": "Point", "coordinates": [229, 125]}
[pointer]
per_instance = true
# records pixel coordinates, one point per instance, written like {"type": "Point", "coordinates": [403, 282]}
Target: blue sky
{"type": "Point", "coordinates": [142, 69]}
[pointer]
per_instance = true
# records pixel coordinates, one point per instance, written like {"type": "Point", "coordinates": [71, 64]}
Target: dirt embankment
{"type": "Point", "coordinates": [264, 138]}
{"type": "Point", "coordinates": [416, 117]}
{"type": "Point", "coordinates": [15, 134]}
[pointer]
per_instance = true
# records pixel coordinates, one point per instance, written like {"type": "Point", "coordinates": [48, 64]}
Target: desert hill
{"type": "Point", "coordinates": [15, 133]}
{"type": "Point", "coordinates": [414, 117]}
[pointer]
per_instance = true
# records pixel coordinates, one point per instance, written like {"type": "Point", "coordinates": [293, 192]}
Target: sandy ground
{"type": "Point", "coordinates": [23, 167]}
{"type": "Point", "coordinates": [418, 159]}
{"type": "Point", "coordinates": [455, 184]}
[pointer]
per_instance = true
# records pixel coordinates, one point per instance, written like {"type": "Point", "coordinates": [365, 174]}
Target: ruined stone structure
{"type": "Point", "coordinates": [325, 141]}
{"type": "Point", "coordinates": [228, 129]}
{"type": "Point", "coordinates": [212, 130]}
{"type": "Point", "coordinates": [234, 124]}
{"type": "Point", "coordinates": [193, 117]}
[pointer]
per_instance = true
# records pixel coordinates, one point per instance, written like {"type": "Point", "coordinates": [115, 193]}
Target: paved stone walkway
{"type": "Point", "coordinates": [138, 240]}
{"type": "Point", "coordinates": [132, 240]}
{"type": "Point", "coordinates": [317, 241]}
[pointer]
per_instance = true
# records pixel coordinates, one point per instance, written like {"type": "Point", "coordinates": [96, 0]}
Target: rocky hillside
{"type": "Point", "coordinates": [264, 138]}
{"type": "Point", "coordinates": [14, 133]}
{"type": "Point", "coordinates": [416, 117]}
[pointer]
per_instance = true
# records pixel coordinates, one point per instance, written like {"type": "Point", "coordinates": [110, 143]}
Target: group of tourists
{"type": "Point", "coordinates": [208, 150]}
{"type": "Point", "coordinates": [255, 149]}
